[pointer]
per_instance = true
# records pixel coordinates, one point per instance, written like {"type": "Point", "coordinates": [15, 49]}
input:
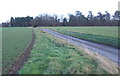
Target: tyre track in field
{"type": "Point", "coordinates": [23, 58]}
{"type": "Point", "coordinates": [104, 50]}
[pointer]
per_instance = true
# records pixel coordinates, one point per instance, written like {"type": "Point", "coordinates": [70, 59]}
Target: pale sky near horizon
{"type": "Point", "coordinates": [23, 8]}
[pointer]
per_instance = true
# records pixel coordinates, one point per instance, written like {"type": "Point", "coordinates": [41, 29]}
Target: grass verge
{"type": "Point", "coordinates": [55, 56]}
{"type": "Point", "coordinates": [103, 35]}
{"type": "Point", "coordinates": [107, 40]}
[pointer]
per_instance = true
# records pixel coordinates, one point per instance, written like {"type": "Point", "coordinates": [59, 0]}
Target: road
{"type": "Point", "coordinates": [104, 50]}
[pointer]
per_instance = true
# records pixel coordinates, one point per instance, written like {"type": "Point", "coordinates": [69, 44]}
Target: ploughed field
{"type": "Point", "coordinates": [104, 35]}
{"type": "Point", "coordinates": [14, 41]}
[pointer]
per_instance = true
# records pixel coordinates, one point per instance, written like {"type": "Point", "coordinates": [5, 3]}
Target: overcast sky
{"type": "Point", "coordinates": [19, 8]}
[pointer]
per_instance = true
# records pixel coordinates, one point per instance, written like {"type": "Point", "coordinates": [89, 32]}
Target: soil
{"type": "Point", "coordinates": [23, 58]}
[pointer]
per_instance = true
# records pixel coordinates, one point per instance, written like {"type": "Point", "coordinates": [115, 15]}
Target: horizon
{"type": "Point", "coordinates": [23, 8]}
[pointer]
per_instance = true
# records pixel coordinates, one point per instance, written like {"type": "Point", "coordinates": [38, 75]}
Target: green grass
{"type": "Point", "coordinates": [105, 35]}
{"type": "Point", "coordinates": [54, 56]}
{"type": "Point", "coordinates": [14, 41]}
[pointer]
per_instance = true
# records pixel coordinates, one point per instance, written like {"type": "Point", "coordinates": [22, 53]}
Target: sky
{"type": "Point", "coordinates": [23, 8]}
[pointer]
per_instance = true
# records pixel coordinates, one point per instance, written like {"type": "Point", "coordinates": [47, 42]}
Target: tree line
{"type": "Point", "coordinates": [21, 21]}
{"type": "Point", "coordinates": [77, 19]}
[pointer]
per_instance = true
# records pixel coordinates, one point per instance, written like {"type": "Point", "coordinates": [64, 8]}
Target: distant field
{"type": "Point", "coordinates": [104, 35]}
{"type": "Point", "coordinates": [51, 55]}
{"type": "Point", "coordinates": [14, 41]}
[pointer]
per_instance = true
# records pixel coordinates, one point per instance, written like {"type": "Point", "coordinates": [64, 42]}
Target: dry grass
{"type": "Point", "coordinates": [105, 62]}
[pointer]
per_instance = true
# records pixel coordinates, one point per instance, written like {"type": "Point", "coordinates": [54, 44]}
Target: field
{"type": "Point", "coordinates": [14, 41]}
{"type": "Point", "coordinates": [51, 55]}
{"type": "Point", "coordinates": [104, 35]}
